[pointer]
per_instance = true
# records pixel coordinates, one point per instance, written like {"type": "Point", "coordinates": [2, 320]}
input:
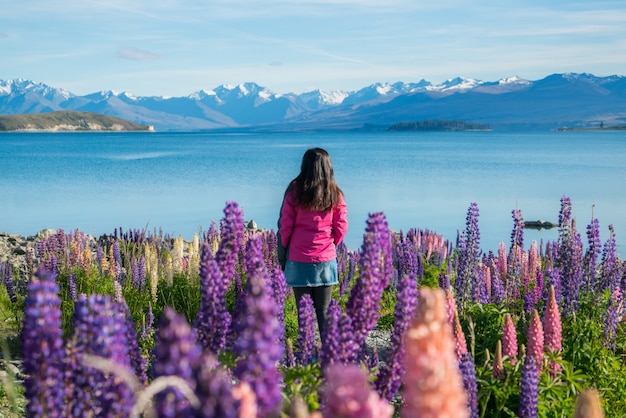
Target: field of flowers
{"type": "Point", "coordinates": [143, 324]}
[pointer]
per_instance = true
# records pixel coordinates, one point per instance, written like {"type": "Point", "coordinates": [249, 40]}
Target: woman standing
{"type": "Point", "coordinates": [313, 222]}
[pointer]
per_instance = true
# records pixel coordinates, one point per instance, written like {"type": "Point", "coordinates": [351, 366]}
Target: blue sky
{"type": "Point", "coordinates": [176, 47]}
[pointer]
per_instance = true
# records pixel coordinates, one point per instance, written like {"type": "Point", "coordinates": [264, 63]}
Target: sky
{"type": "Point", "coordinates": [177, 47]}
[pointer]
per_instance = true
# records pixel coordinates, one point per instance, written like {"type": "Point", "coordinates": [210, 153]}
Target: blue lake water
{"type": "Point", "coordinates": [180, 182]}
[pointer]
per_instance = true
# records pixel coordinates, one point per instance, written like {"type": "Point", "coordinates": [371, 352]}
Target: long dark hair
{"type": "Point", "coordinates": [315, 186]}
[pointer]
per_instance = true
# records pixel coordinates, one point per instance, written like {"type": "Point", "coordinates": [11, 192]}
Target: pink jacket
{"type": "Point", "coordinates": [312, 236]}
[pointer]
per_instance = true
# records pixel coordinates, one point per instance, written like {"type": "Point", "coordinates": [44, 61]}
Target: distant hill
{"type": "Point", "coordinates": [573, 100]}
{"type": "Point", "coordinates": [63, 121]}
{"type": "Point", "coordinates": [439, 125]}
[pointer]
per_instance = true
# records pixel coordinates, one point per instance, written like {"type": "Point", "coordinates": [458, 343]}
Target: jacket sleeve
{"type": "Point", "coordinates": [340, 221]}
{"type": "Point", "coordinates": [287, 220]}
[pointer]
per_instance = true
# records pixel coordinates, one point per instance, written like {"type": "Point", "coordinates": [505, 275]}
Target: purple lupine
{"type": "Point", "coordinates": [554, 279]}
{"type": "Point", "coordinates": [614, 312]}
{"type": "Point", "coordinates": [375, 271]}
{"type": "Point", "coordinates": [71, 284]}
{"type": "Point", "coordinates": [529, 389]}
{"type": "Point", "coordinates": [176, 353]}
{"type": "Point", "coordinates": [7, 274]}
{"type": "Point", "coordinates": [279, 291]}
{"type": "Point", "coordinates": [469, 260]}
{"type": "Point", "coordinates": [257, 335]}
{"type": "Point", "coordinates": [306, 330]}
{"type": "Point", "coordinates": [407, 259]}
{"type": "Point", "coordinates": [231, 232]}
{"type": "Point", "coordinates": [509, 339]}
{"type": "Point", "coordinates": [609, 275]}
{"type": "Point", "coordinates": [345, 283]}
{"type": "Point", "coordinates": [517, 234]}
{"type": "Point", "coordinates": [213, 320]}
{"type": "Point", "coordinates": [468, 371]}
{"type": "Point", "coordinates": [137, 361]}
{"type": "Point", "coordinates": [390, 374]}
{"type": "Point", "coordinates": [100, 330]}
{"type": "Point", "coordinates": [569, 257]}
{"type": "Point", "coordinates": [215, 391]}
{"type": "Point", "coordinates": [591, 256]}
{"type": "Point", "coordinates": [338, 345]}
{"type": "Point", "coordinates": [42, 347]}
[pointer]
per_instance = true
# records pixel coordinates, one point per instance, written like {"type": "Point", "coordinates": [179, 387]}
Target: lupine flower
{"type": "Point", "coordinates": [498, 366]}
{"type": "Point", "coordinates": [450, 307]}
{"type": "Point", "coordinates": [215, 391]}
{"type": "Point", "coordinates": [345, 283]}
{"type": "Point", "coordinates": [231, 231]}
{"type": "Point", "coordinates": [468, 371]}
{"type": "Point", "coordinates": [407, 259]}
{"type": "Point", "coordinates": [279, 292]}
{"type": "Point", "coordinates": [244, 394]}
{"type": "Point", "coordinates": [390, 374]}
{"type": "Point", "coordinates": [460, 345]}
{"type": "Point", "coordinates": [517, 235]}
{"type": "Point", "coordinates": [554, 280]}
{"type": "Point", "coordinates": [258, 332]}
{"type": "Point", "coordinates": [613, 315]}
{"type": "Point", "coordinates": [509, 339]}
{"type": "Point", "coordinates": [346, 394]}
{"type": "Point", "coordinates": [591, 256]}
{"type": "Point", "coordinates": [71, 284]}
{"type": "Point", "coordinates": [175, 354]}
{"type": "Point", "coordinates": [552, 328]}
{"type": "Point", "coordinates": [535, 339]}
{"type": "Point", "coordinates": [42, 347]}
{"type": "Point", "coordinates": [213, 320]}
{"type": "Point", "coordinates": [589, 404]}
{"type": "Point", "coordinates": [529, 390]}
{"type": "Point", "coordinates": [7, 274]}
{"type": "Point", "coordinates": [338, 345]}
{"type": "Point", "coordinates": [569, 257]}
{"type": "Point", "coordinates": [137, 362]}
{"type": "Point", "coordinates": [433, 385]}
{"type": "Point", "coordinates": [374, 274]}
{"type": "Point", "coordinates": [467, 284]}
{"type": "Point", "coordinates": [609, 275]}
{"type": "Point", "coordinates": [100, 330]}
{"type": "Point", "coordinates": [306, 330]}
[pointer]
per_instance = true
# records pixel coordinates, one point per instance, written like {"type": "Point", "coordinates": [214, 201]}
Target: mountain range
{"type": "Point", "coordinates": [556, 101]}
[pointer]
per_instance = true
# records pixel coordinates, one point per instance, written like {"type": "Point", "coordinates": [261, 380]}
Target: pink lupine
{"type": "Point", "coordinates": [498, 366]}
{"type": "Point", "coordinates": [552, 328]}
{"type": "Point", "coordinates": [347, 394]}
{"type": "Point", "coordinates": [433, 386]}
{"type": "Point", "coordinates": [460, 345]}
{"type": "Point", "coordinates": [509, 339]}
{"type": "Point", "coordinates": [450, 306]}
{"type": "Point", "coordinates": [535, 339]}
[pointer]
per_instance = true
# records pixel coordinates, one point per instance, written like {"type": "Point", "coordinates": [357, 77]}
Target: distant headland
{"type": "Point", "coordinates": [439, 125]}
{"type": "Point", "coordinates": [68, 121]}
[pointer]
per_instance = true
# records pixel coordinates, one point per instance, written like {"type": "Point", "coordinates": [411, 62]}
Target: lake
{"type": "Point", "coordinates": [180, 182]}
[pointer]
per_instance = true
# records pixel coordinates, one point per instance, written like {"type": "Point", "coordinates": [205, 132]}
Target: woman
{"type": "Point", "coordinates": [313, 221]}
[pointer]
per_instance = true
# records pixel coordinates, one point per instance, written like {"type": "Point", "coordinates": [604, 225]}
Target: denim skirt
{"type": "Point", "coordinates": [311, 274]}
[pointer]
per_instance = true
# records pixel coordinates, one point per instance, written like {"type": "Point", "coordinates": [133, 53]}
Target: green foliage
{"type": "Point", "coordinates": [302, 383]}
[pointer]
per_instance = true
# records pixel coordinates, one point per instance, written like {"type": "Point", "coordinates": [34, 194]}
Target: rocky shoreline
{"type": "Point", "coordinates": [13, 248]}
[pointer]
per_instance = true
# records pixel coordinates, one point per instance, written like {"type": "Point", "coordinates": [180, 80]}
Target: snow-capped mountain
{"type": "Point", "coordinates": [557, 100]}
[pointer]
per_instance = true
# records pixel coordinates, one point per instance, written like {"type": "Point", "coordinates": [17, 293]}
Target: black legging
{"type": "Point", "coordinates": [321, 296]}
